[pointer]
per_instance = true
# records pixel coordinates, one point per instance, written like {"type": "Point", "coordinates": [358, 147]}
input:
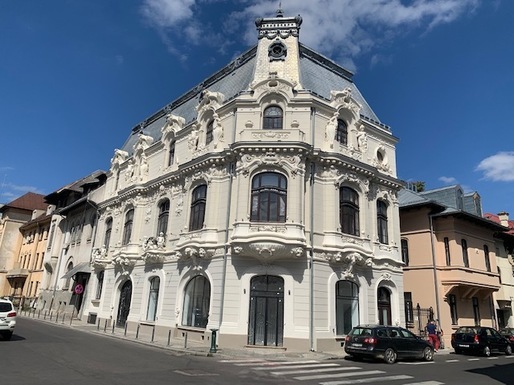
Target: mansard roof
{"type": "Point", "coordinates": [77, 188]}
{"type": "Point", "coordinates": [319, 75]}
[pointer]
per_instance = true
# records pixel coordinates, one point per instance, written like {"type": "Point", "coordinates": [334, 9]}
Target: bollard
{"type": "Point", "coordinates": [38, 313]}
{"type": "Point", "coordinates": [44, 316]}
{"type": "Point", "coordinates": [137, 331]}
{"type": "Point", "coordinates": [169, 337]}
{"type": "Point", "coordinates": [63, 317]}
{"type": "Point", "coordinates": [153, 332]}
{"type": "Point", "coordinates": [105, 326]}
{"type": "Point", "coordinates": [114, 324]}
{"type": "Point", "coordinates": [213, 341]}
{"type": "Point", "coordinates": [185, 340]}
{"type": "Point", "coordinates": [98, 324]}
{"type": "Point", "coordinates": [125, 332]}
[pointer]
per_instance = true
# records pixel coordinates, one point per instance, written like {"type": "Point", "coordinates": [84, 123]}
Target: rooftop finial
{"type": "Point", "coordinates": [280, 13]}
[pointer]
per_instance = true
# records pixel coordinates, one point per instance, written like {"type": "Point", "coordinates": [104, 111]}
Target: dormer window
{"type": "Point", "coordinates": [273, 117]}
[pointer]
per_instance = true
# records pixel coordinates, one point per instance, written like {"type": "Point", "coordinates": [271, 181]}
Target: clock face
{"type": "Point", "coordinates": [277, 51]}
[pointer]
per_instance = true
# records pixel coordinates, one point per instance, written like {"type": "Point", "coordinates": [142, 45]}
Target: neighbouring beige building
{"type": "Point", "coordinates": [13, 216]}
{"type": "Point", "coordinates": [28, 271]}
{"type": "Point", "coordinates": [449, 253]}
{"type": "Point", "coordinates": [504, 250]}
{"type": "Point", "coordinates": [261, 203]}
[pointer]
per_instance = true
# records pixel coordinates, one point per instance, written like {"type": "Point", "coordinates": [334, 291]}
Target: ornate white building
{"type": "Point", "coordinates": [262, 203]}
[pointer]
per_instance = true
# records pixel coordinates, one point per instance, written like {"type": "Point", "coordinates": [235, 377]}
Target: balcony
{"type": "Point", "coordinates": [268, 242]}
{"type": "Point", "coordinates": [17, 272]}
{"type": "Point", "coordinates": [468, 282]}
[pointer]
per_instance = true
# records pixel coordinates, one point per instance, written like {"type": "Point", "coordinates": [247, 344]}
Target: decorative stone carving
{"type": "Point", "coordinates": [143, 142]}
{"type": "Point", "coordinates": [362, 138]}
{"type": "Point", "coordinates": [386, 277]}
{"type": "Point", "coordinates": [209, 100]}
{"type": "Point", "coordinates": [129, 171]}
{"type": "Point", "coordinates": [124, 261]}
{"type": "Point", "coordinates": [351, 259]}
{"type": "Point", "coordinates": [217, 130]}
{"type": "Point", "coordinates": [99, 258]}
{"type": "Point", "coordinates": [119, 157]}
{"type": "Point", "coordinates": [344, 99]}
{"type": "Point", "coordinates": [193, 138]}
{"type": "Point", "coordinates": [297, 251]}
{"type": "Point", "coordinates": [330, 129]}
{"type": "Point", "coordinates": [293, 163]}
{"type": "Point", "coordinates": [173, 124]}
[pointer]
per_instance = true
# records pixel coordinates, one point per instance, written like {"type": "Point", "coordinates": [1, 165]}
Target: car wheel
{"type": "Point", "coordinates": [458, 351]}
{"type": "Point", "coordinates": [7, 336]}
{"type": "Point", "coordinates": [390, 356]}
{"type": "Point", "coordinates": [487, 351]}
{"type": "Point", "coordinates": [508, 350]}
{"type": "Point", "coordinates": [428, 354]}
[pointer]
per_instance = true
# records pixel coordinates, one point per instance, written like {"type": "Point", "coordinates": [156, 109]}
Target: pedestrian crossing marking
{"type": "Point", "coordinates": [473, 359]}
{"type": "Point", "coordinates": [492, 358]}
{"type": "Point", "coordinates": [322, 370]}
{"type": "Point", "coordinates": [272, 363]}
{"type": "Point", "coordinates": [452, 360]}
{"type": "Point", "coordinates": [241, 361]}
{"type": "Point", "coordinates": [352, 374]}
{"type": "Point", "coordinates": [368, 380]}
{"type": "Point", "coordinates": [313, 366]}
{"type": "Point", "coordinates": [426, 383]}
{"type": "Point", "coordinates": [416, 363]}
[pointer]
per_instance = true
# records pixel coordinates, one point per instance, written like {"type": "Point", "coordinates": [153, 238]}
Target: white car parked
{"type": "Point", "coordinates": [7, 318]}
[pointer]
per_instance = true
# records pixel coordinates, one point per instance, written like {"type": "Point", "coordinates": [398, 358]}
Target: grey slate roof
{"type": "Point", "coordinates": [318, 74]}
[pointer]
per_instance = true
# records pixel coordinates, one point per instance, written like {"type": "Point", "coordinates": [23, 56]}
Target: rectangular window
{"type": "Point", "coordinates": [487, 260]}
{"type": "Point", "coordinates": [409, 311]}
{"type": "Point", "coordinates": [405, 252]}
{"type": "Point", "coordinates": [476, 310]}
{"type": "Point", "coordinates": [452, 299]}
{"type": "Point", "coordinates": [447, 251]}
{"type": "Point", "coordinates": [465, 257]}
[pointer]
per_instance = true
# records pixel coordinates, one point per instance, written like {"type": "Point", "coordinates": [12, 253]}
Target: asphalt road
{"type": "Point", "coordinates": [43, 353]}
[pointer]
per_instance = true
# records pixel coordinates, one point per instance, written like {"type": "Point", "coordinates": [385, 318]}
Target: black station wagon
{"type": "Point", "coordinates": [386, 342]}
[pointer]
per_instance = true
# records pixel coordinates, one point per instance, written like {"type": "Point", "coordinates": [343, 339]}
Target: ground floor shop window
{"type": "Point", "coordinates": [197, 297]}
{"type": "Point", "coordinates": [347, 306]}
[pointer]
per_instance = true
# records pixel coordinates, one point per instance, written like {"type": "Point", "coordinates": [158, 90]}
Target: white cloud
{"type": "Point", "coordinates": [448, 179]}
{"type": "Point", "coordinates": [498, 167]}
{"type": "Point", "coordinates": [165, 13]}
{"type": "Point", "coordinates": [348, 28]}
{"type": "Point", "coordinates": [342, 29]}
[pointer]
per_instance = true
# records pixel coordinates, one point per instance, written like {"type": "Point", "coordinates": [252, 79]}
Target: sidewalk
{"type": "Point", "coordinates": [185, 347]}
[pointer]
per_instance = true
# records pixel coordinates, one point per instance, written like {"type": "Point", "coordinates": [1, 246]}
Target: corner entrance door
{"type": "Point", "coordinates": [124, 305]}
{"type": "Point", "coordinates": [266, 319]}
{"type": "Point", "coordinates": [384, 306]}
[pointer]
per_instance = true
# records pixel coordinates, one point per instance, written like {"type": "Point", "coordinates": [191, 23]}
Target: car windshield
{"type": "Point", "coordinates": [506, 331]}
{"type": "Point", "coordinates": [467, 330]}
{"type": "Point", "coordinates": [361, 332]}
{"type": "Point", "coordinates": [5, 307]}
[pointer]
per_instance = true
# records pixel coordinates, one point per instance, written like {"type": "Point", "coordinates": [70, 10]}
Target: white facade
{"type": "Point", "coordinates": [223, 210]}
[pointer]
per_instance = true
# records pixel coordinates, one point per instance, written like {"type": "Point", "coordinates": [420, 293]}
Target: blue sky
{"type": "Point", "coordinates": [76, 76]}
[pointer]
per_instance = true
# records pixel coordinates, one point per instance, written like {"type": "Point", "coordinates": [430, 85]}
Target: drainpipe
{"type": "Point", "coordinates": [436, 283]}
{"type": "Point", "coordinates": [311, 251]}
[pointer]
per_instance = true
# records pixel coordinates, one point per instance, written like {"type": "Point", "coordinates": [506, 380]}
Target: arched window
{"type": "Point", "coordinates": [108, 232]}
{"type": "Point", "coordinates": [347, 306]}
{"type": "Point", "coordinates": [153, 298]}
{"type": "Point", "coordinates": [208, 134]}
{"type": "Point", "coordinates": [162, 221]}
{"type": "Point", "coordinates": [269, 197]}
{"type": "Point", "coordinates": [171, 153]}
{"type": "Point", "coordinates": [197, 297]}
{"type": "Point", "coordinates": [349, 210]}
{"type": "Point", "coordinates": [68, 280]}
{"type": "Point", "coordinates": [382, 222]}
{"type": "Point", "coordinates": [127, 227]}
{"type": "Point", "coordinates": [273, 118]}
{"type": "Point", "coordinates": [342, 132]}
{"type": "Point", "coordinates": [198, 208]}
